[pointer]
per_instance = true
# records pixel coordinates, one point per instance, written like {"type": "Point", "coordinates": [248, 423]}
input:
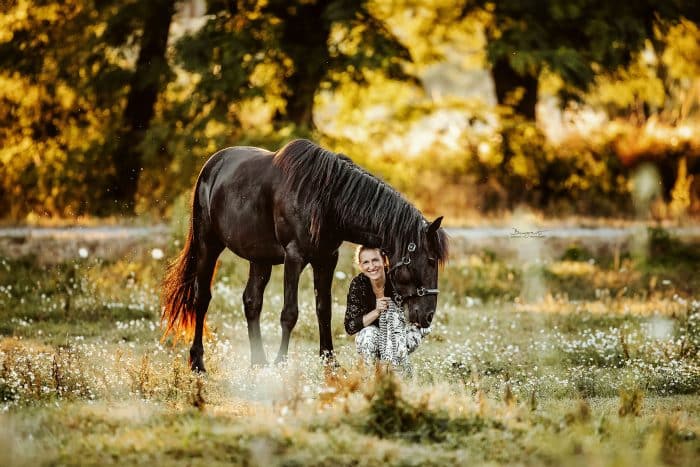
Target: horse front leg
{"type": "Point", "coordinates": [323, 279]}
{"type": "Point", "coordinates": [293, 265]}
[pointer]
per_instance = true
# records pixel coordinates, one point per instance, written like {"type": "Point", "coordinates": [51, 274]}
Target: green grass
{"type": "Point", "coordinates": [525, 365]}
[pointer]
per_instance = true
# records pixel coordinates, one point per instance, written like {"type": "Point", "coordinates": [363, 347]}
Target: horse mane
{"type": "Point", "coordinates": [351, 193]}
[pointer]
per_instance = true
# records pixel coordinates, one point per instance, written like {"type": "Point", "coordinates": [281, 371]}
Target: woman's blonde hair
{"type": "Point", "coordinates": [361, 248]}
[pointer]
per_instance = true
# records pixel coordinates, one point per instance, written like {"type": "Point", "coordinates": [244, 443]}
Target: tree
{"type": "Point", "coordinates": [77, 76]}
{"type": "Point", "coordinates": [574, 39]}
{"type": "Point", "coordinates": [51, 123]}
{"type": "Point", "coordinates": [150, 22]}
{"type": "Point", "coordinates": [287, 50]}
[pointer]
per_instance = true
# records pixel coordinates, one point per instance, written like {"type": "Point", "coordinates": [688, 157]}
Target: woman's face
{"type": "Point", "coordinates": [372, 264]}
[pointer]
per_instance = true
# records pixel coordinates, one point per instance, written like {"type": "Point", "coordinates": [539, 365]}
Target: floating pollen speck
{"type": "Point", "coordinates": [157, 253]}
{"type": "Point", "coordinates": [83, 252]}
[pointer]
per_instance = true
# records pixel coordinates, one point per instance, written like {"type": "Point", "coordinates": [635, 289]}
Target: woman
{"type": "Point", "coordinates": [379, 323]}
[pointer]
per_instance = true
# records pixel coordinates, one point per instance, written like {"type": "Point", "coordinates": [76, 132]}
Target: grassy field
{"type": "Point", "coordinates": [583, 360]}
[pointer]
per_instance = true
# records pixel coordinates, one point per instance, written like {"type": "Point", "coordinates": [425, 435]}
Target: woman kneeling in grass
{"type": "Point", "coordinates": [378, 322]}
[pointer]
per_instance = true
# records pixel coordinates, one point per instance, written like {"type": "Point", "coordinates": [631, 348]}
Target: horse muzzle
{"type": "Point", "coordinates": [423, 316]}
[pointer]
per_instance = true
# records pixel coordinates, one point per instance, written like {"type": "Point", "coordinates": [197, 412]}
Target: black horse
{"type": "Point", "coordinates": [296, 207]}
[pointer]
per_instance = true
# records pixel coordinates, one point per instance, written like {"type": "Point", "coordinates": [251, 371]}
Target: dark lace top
{"type": "Point", "coordinates": [361, 300]}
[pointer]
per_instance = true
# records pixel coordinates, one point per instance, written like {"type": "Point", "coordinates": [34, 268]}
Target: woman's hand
{"type": "Point", "coordinates": [372, 316]}
{"type": "Point", "coordinates": [383, 304]}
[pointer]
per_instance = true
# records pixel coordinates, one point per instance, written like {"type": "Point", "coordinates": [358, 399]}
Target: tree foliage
{"type": "Point", "coordinates": [102, 108]}
{"type": "Point", "coordinates": [54, 113]}
{"type": "Point", "coordinates": [285, 51]}
{"type": "Point", "coordinates": [576, 40]}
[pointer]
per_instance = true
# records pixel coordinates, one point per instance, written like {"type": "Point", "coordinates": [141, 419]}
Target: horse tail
{"type": "Point", "coordinates": [179, 286]}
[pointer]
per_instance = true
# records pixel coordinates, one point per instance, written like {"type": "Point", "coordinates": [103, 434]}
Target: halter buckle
{"type": "Point", "coordinates": [422, 291]}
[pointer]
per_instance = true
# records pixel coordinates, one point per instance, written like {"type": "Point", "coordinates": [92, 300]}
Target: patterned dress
{"type": "Point", "coordinates": [388, 339]}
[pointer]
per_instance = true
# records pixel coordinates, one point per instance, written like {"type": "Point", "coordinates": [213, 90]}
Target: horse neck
{"type": "Point", "coordinates": [362, 236]}
{"type": "Point", "coordinates": [353, 230]}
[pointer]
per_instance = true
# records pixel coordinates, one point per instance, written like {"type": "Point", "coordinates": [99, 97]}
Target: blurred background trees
{"type": "Point", "coordinates": [468, 107]}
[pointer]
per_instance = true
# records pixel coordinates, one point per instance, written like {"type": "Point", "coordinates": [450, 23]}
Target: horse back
{"type": "Point", "coordinates": [235, 192]}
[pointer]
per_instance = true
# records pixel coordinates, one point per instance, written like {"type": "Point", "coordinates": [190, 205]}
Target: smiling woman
{"type": "Point", "coordinates": [377, 320]}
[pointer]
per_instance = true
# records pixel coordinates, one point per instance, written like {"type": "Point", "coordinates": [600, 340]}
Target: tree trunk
{"type": "Point", "coordinates": [151, 67]}
{"type": "Point", "coordinates": [305, 41]}
{"type": "Point", "coordinates": [301, 89]}
{"type": "Point", "coordinates": [506, 81]}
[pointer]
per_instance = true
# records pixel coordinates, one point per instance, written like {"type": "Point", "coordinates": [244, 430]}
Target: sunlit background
{"type": "Point", "coordinates": [109, 108]}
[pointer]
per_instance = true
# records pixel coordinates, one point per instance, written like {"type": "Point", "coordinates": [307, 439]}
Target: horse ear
{"type": "Point", "coordinates": [432, 228]}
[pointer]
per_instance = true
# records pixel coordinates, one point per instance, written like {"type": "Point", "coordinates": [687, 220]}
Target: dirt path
{"type": "Point", "coordinates": [53, 244]}
{"type": "Point", "coordinates": [85, 233]}
{"type": "Point", "coordinates": [467, 233]}
{"type": "Point", "coordinates": [58, 244]}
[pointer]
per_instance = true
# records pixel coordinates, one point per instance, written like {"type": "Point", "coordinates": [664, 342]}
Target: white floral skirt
{"type": "Point", "coordinates": [392, 341]}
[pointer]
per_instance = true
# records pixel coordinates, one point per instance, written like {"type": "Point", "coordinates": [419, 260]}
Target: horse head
{"type": "Point", "coordinates": [414, 273]}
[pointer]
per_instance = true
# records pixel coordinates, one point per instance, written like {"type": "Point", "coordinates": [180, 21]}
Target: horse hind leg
{"type": "Point", "coordinates": [208, 251]}
{"type": "Point", "coordinates": [258, 277]}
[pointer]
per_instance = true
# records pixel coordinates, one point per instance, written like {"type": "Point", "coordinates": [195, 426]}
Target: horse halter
{"type": "Point", "coordinates": [420, 291]}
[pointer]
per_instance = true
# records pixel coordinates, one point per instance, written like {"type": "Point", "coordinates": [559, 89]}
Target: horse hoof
{"type": "Point", "coordinates": [329, 361]}
{"type": "Point", "coordinates": [258, 360]}
{"type": "Point", "coordinates": [197, 366]}
{"type": "Point", "coordinates": [281, 360]}
{"type": "Point", "coordinates": [334, 371]}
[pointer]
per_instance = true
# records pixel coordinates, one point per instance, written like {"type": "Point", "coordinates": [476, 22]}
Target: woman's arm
{"type": "Point", "coordinates": [354, 311]}
{"type": "Point", "coordinates": [370, 317]}
{"type": "Point", "coordinates": [358, 315]}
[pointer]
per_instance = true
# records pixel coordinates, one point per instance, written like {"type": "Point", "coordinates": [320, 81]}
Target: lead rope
{"type": "Point", "coordinates": [382, 336]}
{"type": "Point", "coordinates": [393, 336]}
